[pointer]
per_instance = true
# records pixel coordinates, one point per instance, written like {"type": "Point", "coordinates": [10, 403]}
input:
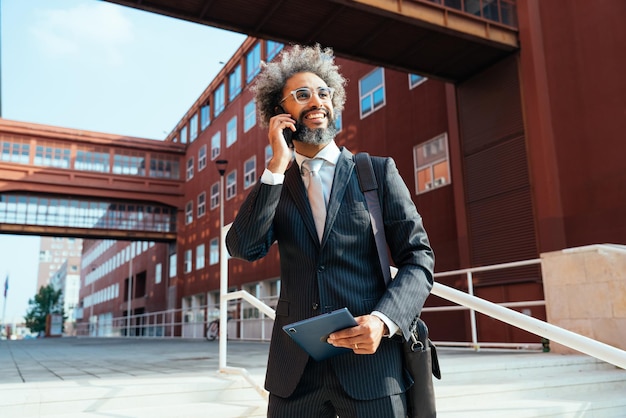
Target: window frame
{"type": "Point", "coordinates": [370, 94]}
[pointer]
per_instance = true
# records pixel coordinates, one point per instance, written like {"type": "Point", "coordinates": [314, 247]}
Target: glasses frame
{"type": "Point", "coordinates": [316, 92]}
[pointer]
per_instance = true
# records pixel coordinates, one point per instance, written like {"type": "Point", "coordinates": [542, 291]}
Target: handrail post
{"type": "Point", "coordinates": [472, 313]}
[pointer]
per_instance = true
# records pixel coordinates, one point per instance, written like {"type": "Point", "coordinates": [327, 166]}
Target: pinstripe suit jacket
{"type": "Point", "coordinates": [341, 271]}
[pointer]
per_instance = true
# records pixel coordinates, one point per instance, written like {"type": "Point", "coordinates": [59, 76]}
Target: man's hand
{"type": "Point", "coordinates": [281, 153]}
{"type": "Point", "coordinates": [364, 338]}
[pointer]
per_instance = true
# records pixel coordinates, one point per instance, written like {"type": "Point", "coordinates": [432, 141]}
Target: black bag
{"type": "Point", "coordinates": [420, 359]}
{"type": "Point", "coordinates": [420, 354]}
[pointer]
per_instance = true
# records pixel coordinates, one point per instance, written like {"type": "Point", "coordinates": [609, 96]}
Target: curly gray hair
{"type": "Point", "coordinates": [268, 87]}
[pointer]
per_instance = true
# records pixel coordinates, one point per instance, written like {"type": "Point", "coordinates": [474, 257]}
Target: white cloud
{"type": "Point", "coordinates": [97, 31]}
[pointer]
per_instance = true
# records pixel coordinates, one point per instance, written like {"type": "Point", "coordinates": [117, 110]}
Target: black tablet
{"type": "Point", "coordinates": [311, 334]}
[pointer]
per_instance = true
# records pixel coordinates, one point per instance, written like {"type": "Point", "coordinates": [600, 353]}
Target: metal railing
{"type": "Point", "coordinates": [469, 274]}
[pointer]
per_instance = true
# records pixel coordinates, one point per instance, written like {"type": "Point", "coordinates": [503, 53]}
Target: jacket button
{"type": "Point", "coordinates": [320, 269]}
{"type": "Point", "coordinates": [316, 306]}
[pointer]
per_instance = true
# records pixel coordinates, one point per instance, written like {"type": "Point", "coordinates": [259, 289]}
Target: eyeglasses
{"type": "Point", "coordinates": [304, 94]}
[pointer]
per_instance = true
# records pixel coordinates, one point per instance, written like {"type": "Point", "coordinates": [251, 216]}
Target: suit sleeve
{"type": "Point", "coordinates": [409, 248]}
{"type": "Point", "coordinates": [251, 234]}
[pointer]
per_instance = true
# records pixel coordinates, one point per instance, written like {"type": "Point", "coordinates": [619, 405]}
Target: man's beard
{"type": "Point", "coordinates": [318, 136]}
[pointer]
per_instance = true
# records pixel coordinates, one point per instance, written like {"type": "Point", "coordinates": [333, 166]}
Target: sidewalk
{"type": "Point", "coordinates": [112, 377]}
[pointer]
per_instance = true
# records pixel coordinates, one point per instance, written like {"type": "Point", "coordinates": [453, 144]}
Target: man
{"type": "Point", "coordinates": [333, 264]}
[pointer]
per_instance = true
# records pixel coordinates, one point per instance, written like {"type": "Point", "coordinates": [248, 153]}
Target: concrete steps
{"type": "Point", "coordinates": [529, 385]}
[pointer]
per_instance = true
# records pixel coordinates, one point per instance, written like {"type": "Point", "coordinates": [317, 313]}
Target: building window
{"type": "Point", "coordinates": [231, 131]}
{"type": "Point", "coordinates": [372, 92]}
{"type": "Point", "coordinates": [189, 212]}
{"type": "Point", "coordinates": [415, 80]}
{"type": "Point", "coordinates": [201, 204]}
{"type": "Point", "coordinates": [205, 116]}
{"type": "Point", "coordinates": [158, 273]}
{"type": "Point", "coordinates": [253, 62]}
{"type": "Point", "coordinates": [234, 83]}
{"type": "Point", "coordinates": [249, 172]}
{"type": "Point", "coordinates": [249, 116]}
{"type": "Point", "coordinates": [215, 195]}
{"type": "Point", "coordinates": [200, 257]}
{"type": "Point", "coordinates": [183, 135]}
{"type": "Point", "coordinates": [193, 127]}
{"type": "Point", "coordinates": [219, 100]}
{"type": "Point", "coordinates": [188, 262]}
{"type": "Point", "coordinates": [214, 251]}
{"type": "Point", "coordinates": [216, 145]}
{"type": "Point", "coordinates": [202, 158]}
{"type": "Point", "coordinates": [231, 184]}
{"type": "Point", "coordinates": [173, 262]}
{"type": "Point", "coordinates": [269, 153]}
{"type": "Point", "coordinates": [432, 164]}
{"type": "Point", "coordinates": [273, 48]}
{"type": "Point", "coordinates": [190, 168]}
{"type": "Point", "coordinates": [338, 122]}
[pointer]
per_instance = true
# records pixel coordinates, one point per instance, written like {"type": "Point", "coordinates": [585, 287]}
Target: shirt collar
{"type": "Point", "coordinates": [330, 153]}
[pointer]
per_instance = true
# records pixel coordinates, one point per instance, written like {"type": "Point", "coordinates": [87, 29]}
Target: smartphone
{"type": "Point", "coordinates": [287, 132]}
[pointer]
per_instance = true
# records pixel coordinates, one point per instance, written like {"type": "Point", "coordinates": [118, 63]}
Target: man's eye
{"type": "Point", "coordinates": [323, 94]}
{"type": "Point", "coordinates": [303, 94]}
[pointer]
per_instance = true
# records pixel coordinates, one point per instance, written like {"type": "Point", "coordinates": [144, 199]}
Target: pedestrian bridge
{"type": "Point", "coordinates": [449, 40]}
{"type": "Point", "coordinates": [63, 182]}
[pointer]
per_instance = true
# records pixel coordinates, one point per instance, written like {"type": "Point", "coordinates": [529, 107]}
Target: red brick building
{"type": "Point", "coordinates": [523, 158]}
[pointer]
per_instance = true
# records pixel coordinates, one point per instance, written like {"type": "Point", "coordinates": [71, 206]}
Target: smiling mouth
{"type": "Point", "coordinates": [316, 115]}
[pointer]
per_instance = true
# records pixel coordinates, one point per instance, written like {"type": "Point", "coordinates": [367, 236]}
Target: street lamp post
{"type": "Point", "coordinates": [221, 169]}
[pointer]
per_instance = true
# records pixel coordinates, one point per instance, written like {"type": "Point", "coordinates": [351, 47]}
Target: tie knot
{"type": "Point", "coordinates": [312, 165]}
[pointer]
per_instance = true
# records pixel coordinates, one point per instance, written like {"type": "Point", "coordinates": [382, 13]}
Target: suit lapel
{"type": "Point", "coordinates": [343, 171]}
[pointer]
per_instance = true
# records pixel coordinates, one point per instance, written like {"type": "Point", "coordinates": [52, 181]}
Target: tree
{"type": "Point", "coordinates": [47, 301]}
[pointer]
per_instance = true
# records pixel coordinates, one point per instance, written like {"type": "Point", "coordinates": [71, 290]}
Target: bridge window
{"type": "Point", "coordinates": [214, 251]}
{"type": "Point", "coordinates": [215, 195]}
{"type": "Point", "coordinates": [415, 80]}
{"type": "Point", "coordinates": [127, 163]}
{"type": "Point", "coordinates": [253, 62]}
{"type": "Point", "coordinates": [201, 204]}
{"type": "Point", "coordinates": [189, 212]}
{"type": "Point", "coordinates": [273, 48]}
{"type": "Point", "coordinates": [205, 116]}
{"type": "Point", "coordinates": [92, 161]}
{"type": "Point", "coordinates": [249, 172]}
{"type": "Point", "coordinates": [193, 127]}
{"type": "Point", "coordinates": [200, 256]}
{"type": "Point", "coordinates": [231, 184]}
{"type": "Point", "coordinates": [234, 83]}
{"type": "Point", "coordinates": [231, 131]}
{"type": "Point", "coordinates": [249, 116]}
{"type": "Point", "coordinates": [190, 168]}
{"type": "Point", "coordinates": [164, 167]}
{"type": "Point", "coordinates": [372, 92]}
{"type": "Point", "coordinates": [15, 151]}
{"type": "Point", "coordinates": [52, 156]}
{"type": "Point", "coordinates": [432, 167]}
{"type": "Point", "coordinates": [219, 100]}
{"type": "Point", "coordinates": [216, 145]}
{"type": "Point", "coordinates": [202, 158]}
{"type": "Point", "coordinates": [34, 209]}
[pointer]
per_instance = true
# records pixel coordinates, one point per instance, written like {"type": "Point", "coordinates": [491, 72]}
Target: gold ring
{"type": "Point", "coordinates": [356, 346]}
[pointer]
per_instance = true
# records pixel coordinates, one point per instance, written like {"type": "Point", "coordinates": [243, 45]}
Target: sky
{"type": "Point", "coordinates": [96, 66]}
